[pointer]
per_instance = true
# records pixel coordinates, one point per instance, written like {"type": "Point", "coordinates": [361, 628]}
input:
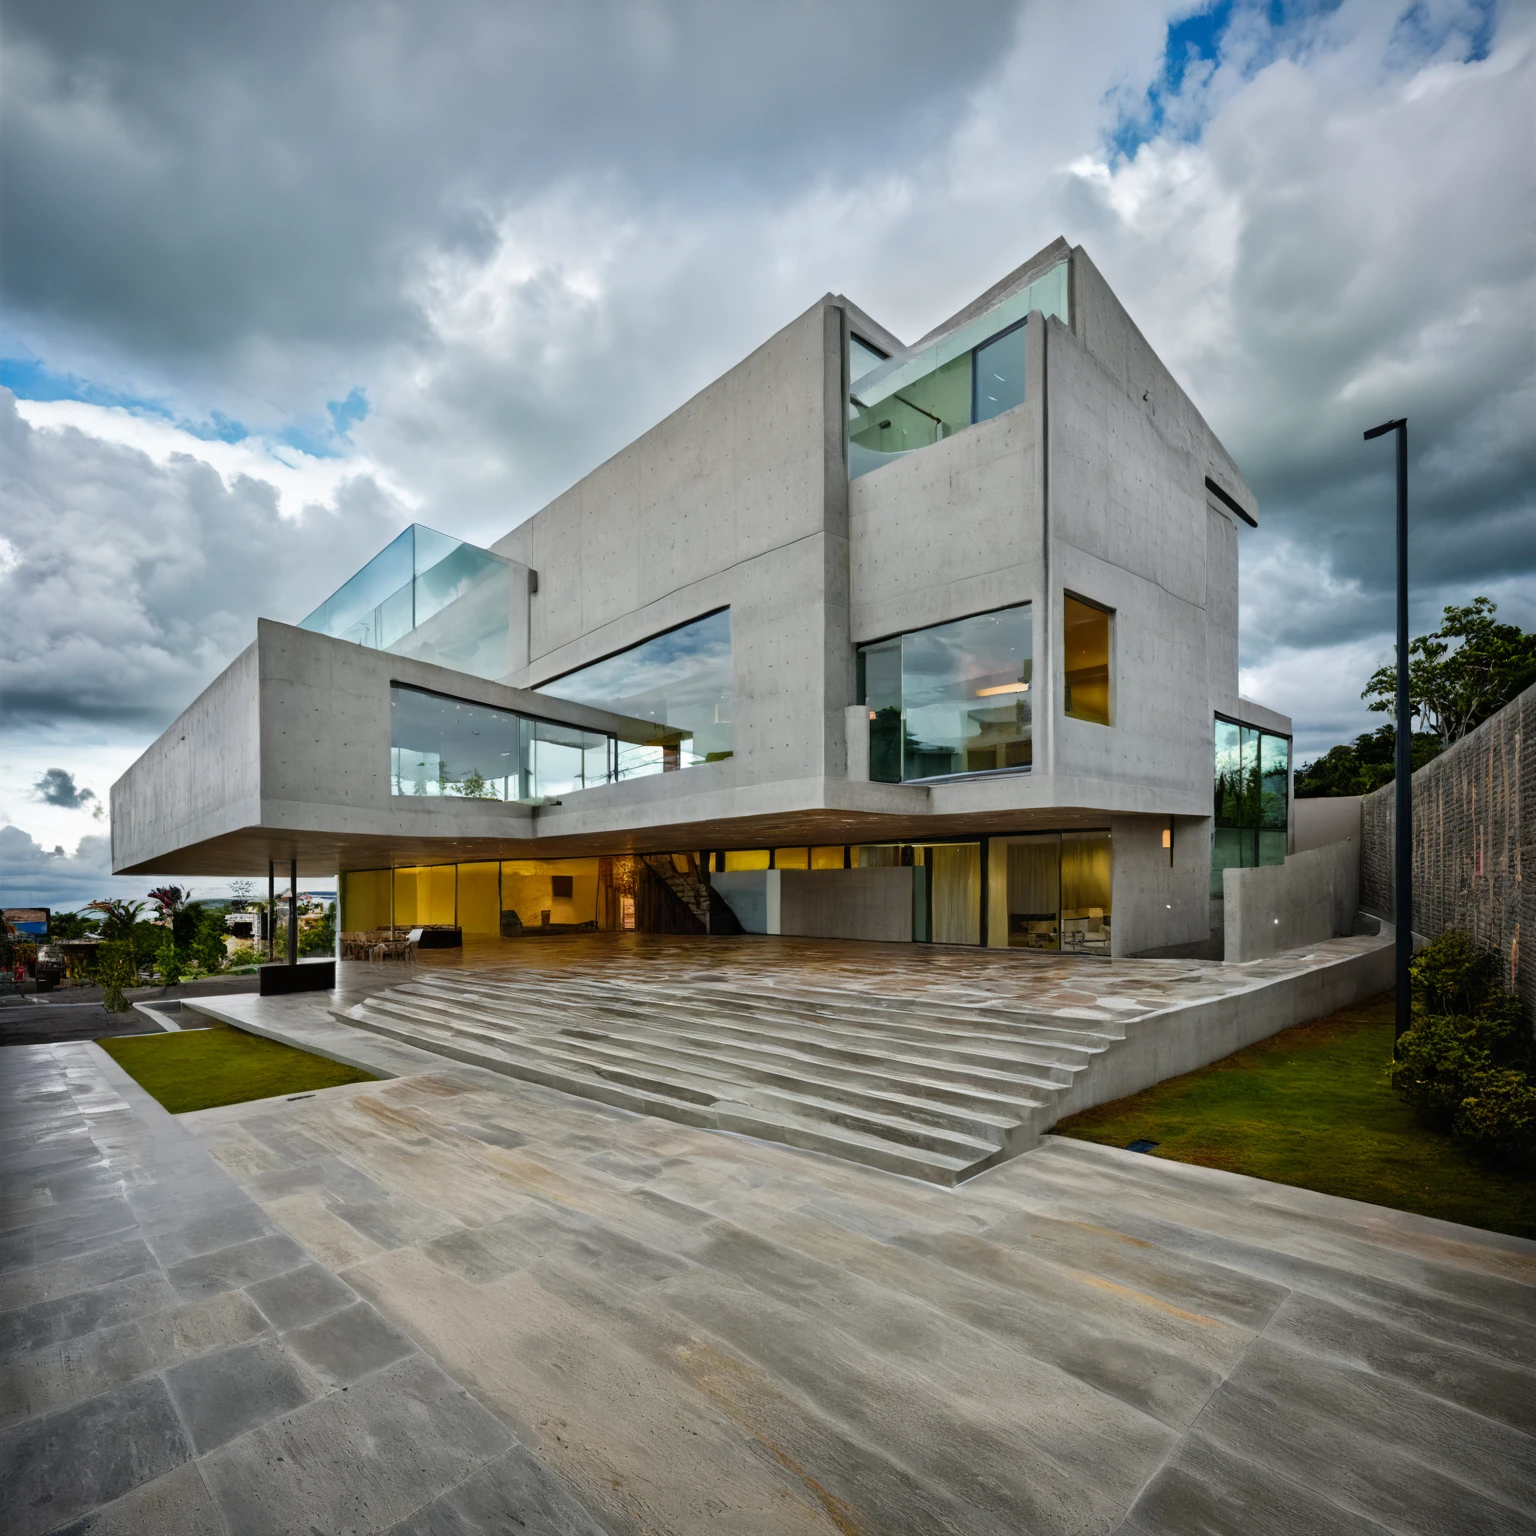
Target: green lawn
{"type": "Point", "coordinates": [202, 1068]}
{"type": "Point", "coordinates": [1311, 1107]}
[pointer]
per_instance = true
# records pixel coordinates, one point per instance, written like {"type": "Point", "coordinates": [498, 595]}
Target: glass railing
{"type": "Point", "coordinates": [435, 598]}
{"type": "Point", "coordinates": [972, 374]}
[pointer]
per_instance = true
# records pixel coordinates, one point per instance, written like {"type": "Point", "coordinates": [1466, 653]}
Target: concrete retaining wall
{"type": "Point", "coordinates": [1179, 1040]}
{"type": "Point", "coordinates": [1311, 897]}
{"type": "Point", "coordinates": [1332, 819]}
{"type": "Point", "coordinates": [1474, 843]}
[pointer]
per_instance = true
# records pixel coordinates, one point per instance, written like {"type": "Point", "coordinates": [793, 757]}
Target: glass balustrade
{"type": "Point", "coordinates": [975, 372]}
{"type": "Point", "coordinates": [434, 598]}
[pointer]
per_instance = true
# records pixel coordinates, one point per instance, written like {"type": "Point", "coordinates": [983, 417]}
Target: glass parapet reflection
{"type": "Point", "coordinates": [675, 691]}
{"type": "Point", "coordinates": [435, 598]}
{"type": "Point", "coordinates": [953, 698]}
{"type": "Point", "coordinates": [969, 375]}
{"type": "Point", "coordinates": [442, 746]}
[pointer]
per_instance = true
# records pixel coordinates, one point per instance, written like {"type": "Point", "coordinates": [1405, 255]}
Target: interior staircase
{"type": "Point", "coordinates": [706, 904]}
{"type": "Point", "coordinates": [887, 1081]}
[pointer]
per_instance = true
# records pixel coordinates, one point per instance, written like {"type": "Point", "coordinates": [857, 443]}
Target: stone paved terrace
{"type": "Point", "coordinates": [458, 1302]}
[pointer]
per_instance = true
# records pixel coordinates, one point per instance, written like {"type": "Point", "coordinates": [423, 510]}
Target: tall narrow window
{"type": "Point", "coordinates": [1085, 648]}
{"type": "Point", "coordinates": [999, 378]}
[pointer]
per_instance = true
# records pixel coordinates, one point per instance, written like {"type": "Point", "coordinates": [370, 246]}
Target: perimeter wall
{"type": "Point", "coordinates": [1474, 843]}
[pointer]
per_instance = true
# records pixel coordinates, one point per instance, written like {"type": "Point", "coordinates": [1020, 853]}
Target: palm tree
{"type": "Point", "coordinates": [118, 917]}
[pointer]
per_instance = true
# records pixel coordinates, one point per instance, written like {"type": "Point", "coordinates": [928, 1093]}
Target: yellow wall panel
{"type": "Point", "coordinates": [405, 897]}
{"type": "Point", "coordinates": [480, 898]}
{"type": "Point", "coordinates": [364, 900]}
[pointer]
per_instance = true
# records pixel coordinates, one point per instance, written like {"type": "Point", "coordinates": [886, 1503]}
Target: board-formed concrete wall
{"type": "Point", "coordinates": [1161, 904]}
{"type": "Point", "coordinates": [1311, 897]}
{"type": "Point", "coordinates": [1474, 843]}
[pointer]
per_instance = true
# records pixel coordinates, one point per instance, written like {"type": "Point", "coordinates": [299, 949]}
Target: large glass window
{"type": "Point", "coordinates": [1251, 800]}
{"type": "Point", "coordinates": [674, 693]}
{"type": "Point", "coordinates": [1085, 652]}
{"type": "Point", "coordinates": [446, 746]}
{"type": "Point", "coordinates": [971, 374]}
{"type": "Point", "coordinates": [953, 698]}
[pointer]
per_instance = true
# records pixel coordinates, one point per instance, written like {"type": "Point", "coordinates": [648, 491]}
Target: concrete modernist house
{"type": "Point", "coordinates": [931, 642]}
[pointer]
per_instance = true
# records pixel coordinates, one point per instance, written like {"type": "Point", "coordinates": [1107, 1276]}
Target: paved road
{"type": "Point", "coordinates": [77, 1014]}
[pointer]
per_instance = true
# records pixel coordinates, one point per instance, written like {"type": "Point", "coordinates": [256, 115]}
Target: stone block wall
{"type": "Point", "coordinates": [1474, 843]}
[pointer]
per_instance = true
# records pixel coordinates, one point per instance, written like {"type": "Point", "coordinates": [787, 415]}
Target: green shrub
{"type": "Point", "coordinates": [1465, 1065]}
{"type": "Point", "coordinates": [116, 971]}
{"type": "Point", "coordinates": [168, 961]}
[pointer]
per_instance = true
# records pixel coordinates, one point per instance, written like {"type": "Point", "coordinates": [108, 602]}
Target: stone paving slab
{"type": "Point", "coordinates": [452, 1302]}
{"type": "Point", "coordinates": [171, 1361]}
{"type": "Point", "coordinates": [702, 1333]}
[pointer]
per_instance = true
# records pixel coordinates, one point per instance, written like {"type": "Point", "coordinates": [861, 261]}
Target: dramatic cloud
{"type": "Point", "coordinates": [56, 786]}
{"type": "Point", "coordinates": [281, 278]}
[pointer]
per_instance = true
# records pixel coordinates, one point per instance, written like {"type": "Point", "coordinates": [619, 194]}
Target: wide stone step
{"type": "Point", "coordinates": [885, 1013]}
{"type": "Point", "coordinates": [766, 1123]}
{"type": "Point", "coordinates": [833, 1052]}
{"type": "Point", "coordinates": [986, 1051]}
{"type": "Point", "coordinates": [965, 1136]}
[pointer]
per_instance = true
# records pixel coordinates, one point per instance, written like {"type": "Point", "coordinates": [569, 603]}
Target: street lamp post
{"type": "Point", "coordinates": [1402, 905]}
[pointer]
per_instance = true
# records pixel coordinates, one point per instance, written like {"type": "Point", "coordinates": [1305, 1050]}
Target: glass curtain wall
{"type": "Point", "coordinates": [1024, 892]}
{"type": "Point", "coordinates": [973, 373]}
{"type": "Point", "coordinates": [1251, 799]}
{"type": "Point", "coordinates": [445, 746]}
{"type": "Point", "coordinates": [676, 691]}
{"type": "Point", "coordinates": [950, 699]}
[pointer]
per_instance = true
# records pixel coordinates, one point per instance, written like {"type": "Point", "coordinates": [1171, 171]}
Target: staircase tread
{"type": "Point", "coordinates": [727, 1090]}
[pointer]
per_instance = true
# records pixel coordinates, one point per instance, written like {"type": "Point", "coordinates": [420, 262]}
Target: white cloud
{"type": "Point", "coordinates": [299, 479]}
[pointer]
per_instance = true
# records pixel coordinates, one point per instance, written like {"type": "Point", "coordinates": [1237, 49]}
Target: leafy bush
{"type": "Point", "coordinates": [116, 971]}
{"type": "Point", "coordinates": [207, 946]}
{"type": "Point", "coordinates": [168, 961]}
{"type": "Point", "coordinates": [1465, 1065]}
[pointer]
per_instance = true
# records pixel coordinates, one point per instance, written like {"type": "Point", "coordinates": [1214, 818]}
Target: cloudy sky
{"type": "Point", "coordinates": [279, 278]}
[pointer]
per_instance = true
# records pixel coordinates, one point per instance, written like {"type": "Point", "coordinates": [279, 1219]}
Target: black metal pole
{"type": "Point", "coordinates": [293, 912]}
{"type": "Point", "coordinates": [1402, 904]}
{"type": "Point", "coordinates": [271, 910]}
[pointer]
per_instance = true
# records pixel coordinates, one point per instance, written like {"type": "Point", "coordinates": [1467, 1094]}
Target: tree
{"type": "Point", "coordinates": [240, 894]}
{"type": "Point", "coordinates": [1358, 767]}
{"type": "Point", "coordinates": [118, 918]}
{"type": "Point", "coordinates": [207, 947]}
{"type": "Point", "coordinates": [173, 903]}
{"type": "Point", "coordinates": [69, 925]}
{"type": "Point", "coordinates": [1463, 673]}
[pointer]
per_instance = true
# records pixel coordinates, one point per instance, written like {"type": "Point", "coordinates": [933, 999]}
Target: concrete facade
{"type": "Point", "coordinates": [1104, 484]}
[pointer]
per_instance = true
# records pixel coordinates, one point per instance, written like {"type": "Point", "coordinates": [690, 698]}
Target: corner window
{"type": "Point", "coordinates": [953, 698]}
{"type": "Point", "coordinates": [1251, 806]}
{"type": "Point", "coordinates": [1085, 651]}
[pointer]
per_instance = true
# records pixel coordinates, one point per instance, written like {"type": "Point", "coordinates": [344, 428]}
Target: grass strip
{"type": "Point", "coordinates": [1311, 1106]}
{"type": "Point", "coordinates": [204, 1068]}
